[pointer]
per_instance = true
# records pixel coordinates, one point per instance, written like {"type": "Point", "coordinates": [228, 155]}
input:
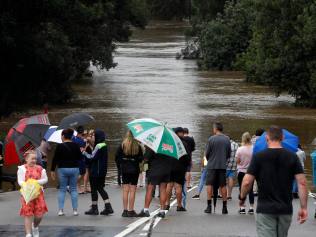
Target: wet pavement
{"type": "Point", "coordinates": [194, 222]}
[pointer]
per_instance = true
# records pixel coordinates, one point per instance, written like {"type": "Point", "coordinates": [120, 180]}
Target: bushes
{"type": "Point", "coordinates": [223, 38]}
{"type": "Point", "coordinates": [274, 42]}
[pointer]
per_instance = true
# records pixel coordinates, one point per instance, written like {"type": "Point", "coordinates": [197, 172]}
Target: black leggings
{"type": "Point", "coordinates": [251, 196]}
{"type": "Point", "coordinates": [97, 185]}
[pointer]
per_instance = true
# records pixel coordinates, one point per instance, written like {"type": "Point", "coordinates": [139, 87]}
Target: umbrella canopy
{"type": "Point", "coordinates": [290, 142]}
{"type": "Point", "coordinates": [23, 136]}
{"type": "Point", "coordinates": [56, 136]}
{"type": "Point", "coordinates": [75, 120]}
{"type": "Point", "coordinates": [158, 137]}
{"type": "Point", "coordinates": [49, 132]}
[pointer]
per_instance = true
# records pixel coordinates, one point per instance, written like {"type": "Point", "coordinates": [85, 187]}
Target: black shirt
{"type": "Point", "coordinates": [128, 164]}
{"type": "Point", "coordinates": [191, 144]}
{"type": "Point", "coordinates": [67, 155]}
{"type": "Point", "coordinates": [274, 170]}
{"type": "Point", "coordinates": [158, 164]}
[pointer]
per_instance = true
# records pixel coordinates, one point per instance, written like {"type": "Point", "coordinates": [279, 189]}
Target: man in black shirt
{"type": "Point", "coordinates": [191, 147]}
{"type": "Point", "coordinates": [274, 170]}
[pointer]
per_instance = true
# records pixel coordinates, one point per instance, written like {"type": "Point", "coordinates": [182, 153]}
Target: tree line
{"type": "Point", "coordinates": [273, 41]}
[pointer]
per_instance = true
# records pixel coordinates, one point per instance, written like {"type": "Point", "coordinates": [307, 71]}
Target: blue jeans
{"type": "Point", "coordinates": [68, 176]}
{"type": "Point", "coordinates": [202, 180]}
{"type": "Point", "coordinates": [184, 195]}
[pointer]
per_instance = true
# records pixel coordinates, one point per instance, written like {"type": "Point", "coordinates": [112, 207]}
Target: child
{"type": "Point", "coordinates": [37, 207]}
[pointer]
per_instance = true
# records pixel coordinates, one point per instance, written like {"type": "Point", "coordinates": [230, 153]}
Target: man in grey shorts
{"type": "Point", "coordinates": [217, 153]}
{"type": "Point", "coordinates": [274, 169]}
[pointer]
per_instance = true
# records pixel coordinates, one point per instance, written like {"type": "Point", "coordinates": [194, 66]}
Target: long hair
{"type": "Point", "coordinates": [130, 145]}
{"type": "Point", "coordinates": [246, 139]}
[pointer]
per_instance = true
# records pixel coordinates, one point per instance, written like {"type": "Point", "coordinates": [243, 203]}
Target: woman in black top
{"type": "Point", "coordinates": [128, 156]}
{"type": "Point", "coordinates": [66, 158]}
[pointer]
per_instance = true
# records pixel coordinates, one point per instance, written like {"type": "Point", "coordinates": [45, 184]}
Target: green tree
{"type": "Point", "coordinates": [169, 9]}
{"type": "Point", "coordinates": [44, 45]}
{"type": "Point", "coordinates": [226, 36]}
{"type": "Point", "coordinates": [282, 51]}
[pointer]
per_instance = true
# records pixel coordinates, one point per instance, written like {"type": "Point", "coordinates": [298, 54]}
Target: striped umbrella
{"type": "Point", "coordinates": [157, 136]}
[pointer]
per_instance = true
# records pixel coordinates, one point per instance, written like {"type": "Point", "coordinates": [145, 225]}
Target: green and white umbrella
{"type": "Point", "coordinates": [157, 136]}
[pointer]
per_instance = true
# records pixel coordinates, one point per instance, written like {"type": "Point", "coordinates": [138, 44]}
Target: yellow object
{"type": "Point", "coordinates": [30, 190]}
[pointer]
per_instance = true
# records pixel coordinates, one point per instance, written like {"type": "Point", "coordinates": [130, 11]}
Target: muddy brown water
{"type": "Point", "coordinates": [150, 82]}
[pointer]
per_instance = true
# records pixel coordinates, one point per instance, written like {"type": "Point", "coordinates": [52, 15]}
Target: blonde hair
{"type": "Point", "coordinates": [130, 145]}
{"type": "Point", "coordinates": [246, 139]}
{"type": "Point", "coordinates": [29, 153]}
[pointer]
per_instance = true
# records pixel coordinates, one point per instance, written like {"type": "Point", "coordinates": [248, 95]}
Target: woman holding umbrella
{"type": "Point", "coordinates": [128, 157]}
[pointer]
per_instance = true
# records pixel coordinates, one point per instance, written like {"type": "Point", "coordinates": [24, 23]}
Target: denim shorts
{"type": "Point", "coordinates": [231, 174]}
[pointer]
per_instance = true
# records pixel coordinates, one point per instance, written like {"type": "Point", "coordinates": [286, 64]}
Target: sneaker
{"type": "Point", "coordinates": [132, 214]}
{"type": "Point", "coordinates": [196, 197]}
{"type": "Point", "coordinates": [229, 199]}
{"type": "Point", "coordinates": [181, 209]}
{"type": "Point", "coordinates": [208, 209]}
{"type": "Point", "coordinates": [242, 211]}
{"type": "Point", "coordinates": [125, 213]}
{"type": "Point", "coordinates": [224, 210]}
{"type": "Point", "coordinates": [250, 211]}
{"type": "Point", "coordinates": [161, 214]}
{"type": "Point", "coordinates": [61, 213]}
{"type": "Point", "coordinates": [219, 197]}
{"type": "Point", "coordinates": [144, 213]}
{"type": "Point", "coordinates": [75, 213]}
{"type": "Point", "coordinates": [168, 207]}
{"type": "Point", "coordinates": [28, 235]}
{"type": "Point", "coordinates": [35, 231]}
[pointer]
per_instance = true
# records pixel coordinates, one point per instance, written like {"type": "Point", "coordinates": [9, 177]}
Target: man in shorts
{"type": "Point", "coordinates": [218, 150]}
{"type": "Point", "coordinates": [191, 148]}
{"type": "Point", "coordinates": [159, 169]}
{"type": "Point", "coordinates": [274, 169]}
{"type": "Point", "coordinates": [231, 168]}
{"type": "Point", "coordinates": [178, 171]}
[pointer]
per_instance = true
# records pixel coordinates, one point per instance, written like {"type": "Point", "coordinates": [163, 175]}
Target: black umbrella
{"type": "Point", "coordinates": [75, 120]}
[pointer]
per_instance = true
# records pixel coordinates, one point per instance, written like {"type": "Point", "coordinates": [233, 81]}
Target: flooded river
{"type": "Point", "coordinates": [150, 82]}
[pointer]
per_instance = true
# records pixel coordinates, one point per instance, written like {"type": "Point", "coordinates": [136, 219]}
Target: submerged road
{"type": "Point", "coordinates": [194, 222]}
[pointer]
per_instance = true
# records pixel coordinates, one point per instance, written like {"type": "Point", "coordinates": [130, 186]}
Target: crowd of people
{"type": "Point", "coordinates": [85, 156]}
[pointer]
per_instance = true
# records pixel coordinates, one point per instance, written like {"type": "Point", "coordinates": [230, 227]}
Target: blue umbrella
{"type": "Point", "coordinates": [49, 132]}
{"type": "Point", "coordinates": [290, 142]}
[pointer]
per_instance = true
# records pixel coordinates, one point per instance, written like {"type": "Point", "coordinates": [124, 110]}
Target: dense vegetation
{"type": "Point", "coordinates": [44, 45]}
{"type": "Point", "coordinates": [274, 42]}
{"type": "Point", "coordinates": [169, 9]}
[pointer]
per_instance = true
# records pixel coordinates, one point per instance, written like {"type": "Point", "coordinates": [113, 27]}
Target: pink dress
{"type": "Point", "coordinates": [36, 207]}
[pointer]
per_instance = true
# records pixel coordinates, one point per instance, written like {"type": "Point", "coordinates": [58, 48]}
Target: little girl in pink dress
{"type": "Point", "coordinates": [35, 209]}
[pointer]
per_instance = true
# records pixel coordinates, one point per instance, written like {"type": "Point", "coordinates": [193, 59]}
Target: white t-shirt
{"type": "Point", "coordinates": [244, 154]}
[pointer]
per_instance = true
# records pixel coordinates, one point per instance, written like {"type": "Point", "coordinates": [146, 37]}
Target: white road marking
{"type": "Point", "coordinates": [134, 225]}
{"type": "Point", "coordinates": [158, 219]}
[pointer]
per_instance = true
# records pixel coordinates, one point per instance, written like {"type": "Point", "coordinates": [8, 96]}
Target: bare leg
{"type": "Point", "coordinates": [148, 196]}
{"type": "Point", "coordinates": [230, 185]}
{"type": "Point", "coordinates": [125, 196]}
{"type": "Point", "coordinates": [28, 224]}
{"type": "Point", "coordinates": [179, 194]}
{"type": "Point", "coordinates": [209, 190]}
{"type": "Point", "coordinates": [188, 179]}
{"type": "Point", "coordinates": [85, 181]}
{"type": "Point", "coordinates": [132, 194]}
{"type": "Point", "coordinates": [163, 195]}
{"type": "Point", "coordinates": [169, 192]}
{"type": "Point", "coordinates": [37, 220]}
{"type": "Point", "coordinates": [224, 193]}
{"type": "Point", "coordinates": [78, 184]}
